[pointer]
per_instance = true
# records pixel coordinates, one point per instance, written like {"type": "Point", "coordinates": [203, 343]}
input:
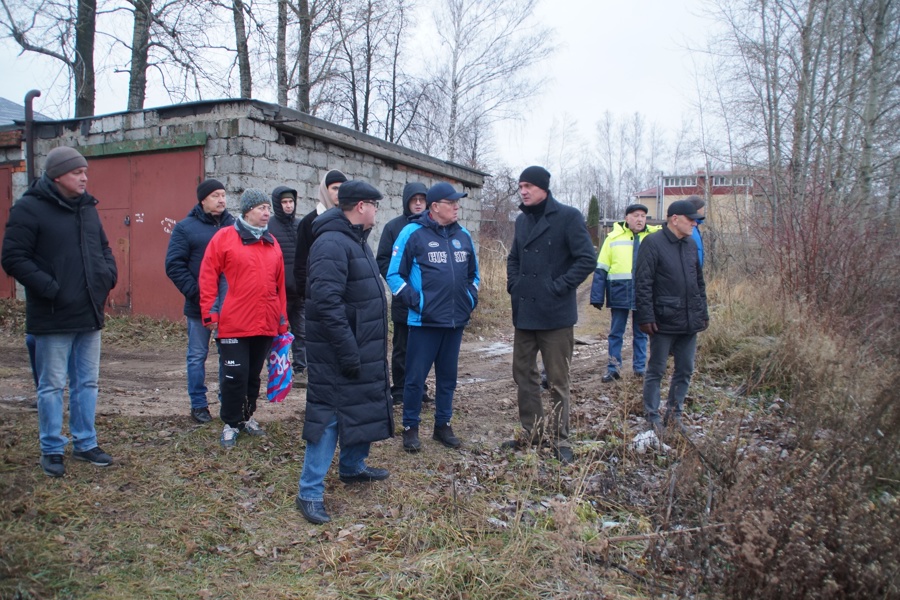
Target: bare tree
{"type": "Point", "coordinates": [242, 49]}
{"type": "Point", "coordinates": [140, 50]}
{"type": "Point", "coordinates": [51, 29]}
{"type": "Point", "coordinates": [490, 44]}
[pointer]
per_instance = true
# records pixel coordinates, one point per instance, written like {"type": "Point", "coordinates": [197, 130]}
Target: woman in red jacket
{"type": "Point", "coordinates": [242, 300]}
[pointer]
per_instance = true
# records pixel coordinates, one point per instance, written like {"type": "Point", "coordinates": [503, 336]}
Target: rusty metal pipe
{"type": "Point", "coordinates": [29, 134]}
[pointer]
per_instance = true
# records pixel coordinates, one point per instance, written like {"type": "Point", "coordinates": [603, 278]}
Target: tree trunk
{"type": "Point", "coordinates": [303, 84]}
{"type": "Point", "coordinates": [873, 100]}
{"type": "Point", "coordinates": [140, 47]}
{"type": "Point", "coordinates": [243, 51]}
{"type": "Point", "coordinates": [281, 53]}
{"type": "Point", "coordinates": [83, 65]}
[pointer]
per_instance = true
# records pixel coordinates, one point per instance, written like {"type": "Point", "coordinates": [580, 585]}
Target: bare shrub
{"type": "Point", "coordinates": [799, 504]}
{"type": "Point", "coordinates": [494, 310]}
{"type": "Point", "coordinates": [837, 261]}
{"type": "Point", "coordinates": [806, 527]}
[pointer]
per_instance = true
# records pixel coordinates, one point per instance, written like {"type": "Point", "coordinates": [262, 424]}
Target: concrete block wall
{"type": "Point", "coordinates": [245, 148]}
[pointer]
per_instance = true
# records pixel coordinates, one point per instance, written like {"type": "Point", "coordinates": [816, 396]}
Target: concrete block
{"type": "Point", "coordinates": [246, 127]}
{"type": "Point", "coordinates": [227, 164]}
{"type": "Point", "coordinates": [309, 175]}
{"type": "Point", "coordinates": [319, 159]}
{"type": "Point", "coordinates": [134, 121]}
{"type": "Point", "coordinates": [254, 147]}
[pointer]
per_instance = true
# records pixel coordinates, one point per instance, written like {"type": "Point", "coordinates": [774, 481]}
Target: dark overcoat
{"type": "Point", "coordinates": [189, 240]}
{"type": "Point", "coordinates": [550, 256]}
{"type": "Point", "coordinates": [346, 335]}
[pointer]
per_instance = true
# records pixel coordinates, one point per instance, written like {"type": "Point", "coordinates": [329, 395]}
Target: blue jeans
{"type": "Point", "coordinates": [618, 320]}
{"type": "Point", "coordinates": [74, 357]}
{"type": "Point", "coordinates": [682, 348]}
{"type": "Point", "coordinates": [197, 352]}
{"type": "Point", "coordinates": [426, 346]}
{"type": "Point", "coordinates": [318, 459]}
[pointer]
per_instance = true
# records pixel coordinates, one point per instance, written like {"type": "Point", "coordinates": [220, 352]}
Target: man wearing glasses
{"type": "Point", "coordinates": [434, 273]}
{"type": "Point", "coordinates": [670, 297]}
{"type": "Point", "coordinates": [348, 398]}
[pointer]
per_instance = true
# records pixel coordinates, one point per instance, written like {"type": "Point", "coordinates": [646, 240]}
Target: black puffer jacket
{"type": "Point", "coordinates": [669, 286]}
{"type": "Point", "coordinates": [57, 249]}
{"type": "Point", "coordinates": [284, 228]}
{"type": "Point", "coordinates": [346, 330]}
{"type": "Point", "coordinates": [185, 253]}
{"type": "Point", "coordinates": [551, 255]}
{"type": "Point", "coordinates": [389, 234]}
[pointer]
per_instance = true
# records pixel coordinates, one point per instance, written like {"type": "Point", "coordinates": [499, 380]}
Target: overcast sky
{"type": "Point", "coordinates": [620, 56]}
{"type": "Point", "coordinates": [617, 55]}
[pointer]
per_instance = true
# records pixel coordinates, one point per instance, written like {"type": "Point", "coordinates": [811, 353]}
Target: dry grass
{"type": "Point", "coordinates": [178, 517]}
{"type": "Point", "coordinates": [494, 312]}
{"type": "Point", "coordinates": [788, 488]}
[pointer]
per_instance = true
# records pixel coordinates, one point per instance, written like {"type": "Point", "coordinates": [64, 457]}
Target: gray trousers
{"type": "Point", "coordinates": [682, 348]}
{"type": "Point", "coordinates": [555, 346]}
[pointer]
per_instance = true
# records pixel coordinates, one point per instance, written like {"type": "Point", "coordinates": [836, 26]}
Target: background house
{"type": "Point", "coordinates": [733, 201]}
{"type": "Point", "coordinates": [144, 167]}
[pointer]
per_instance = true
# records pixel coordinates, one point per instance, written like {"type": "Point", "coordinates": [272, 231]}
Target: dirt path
{"type": "Point", "coordinates": [145, 383]}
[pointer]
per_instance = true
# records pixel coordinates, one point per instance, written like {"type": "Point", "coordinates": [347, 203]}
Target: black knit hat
{"type": "Point", "coordinates": [633, 207]}
{"type": "Point", "coordinates": [354, 191]}
{"type": "Point", "coordinates": [537, 176]}
{"type": "Point", "coordinates": [63, 159]}
{"type": "Point", "coordinates": [334, 176]}
{"type": "Point", "coordinates": [208, 187]}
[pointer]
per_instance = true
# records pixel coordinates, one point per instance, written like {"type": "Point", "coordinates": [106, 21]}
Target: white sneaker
{"type": "Point", "coordinates": [229, 436]}
{"type": "Point", "coordinates": [253, 428]}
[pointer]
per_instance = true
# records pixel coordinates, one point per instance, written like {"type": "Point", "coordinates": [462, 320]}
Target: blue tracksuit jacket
{"type": "Point", "coordinates": [434, 272]}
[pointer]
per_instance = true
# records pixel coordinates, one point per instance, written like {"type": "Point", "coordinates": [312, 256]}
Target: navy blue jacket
{"type": "Point", "coordinates": [57, 249]}
{"type": "Point", "coordinates": [346, 336]}
{"type": "Point", "coordinates": [189, 240]}
{"type": "Point", "coordinates": [434, 272]}
{"type": "Point", "coordinates": [284, 228]}
{"type": "Point", "coordinates": [551, 255]}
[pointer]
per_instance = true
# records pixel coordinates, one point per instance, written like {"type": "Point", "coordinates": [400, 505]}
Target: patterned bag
{"type": "Point", "coordinates": [280, 373]}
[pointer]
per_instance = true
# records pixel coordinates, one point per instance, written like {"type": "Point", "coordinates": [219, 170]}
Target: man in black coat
{"type": "Point", "coordinates": [189, 239]}
{"type": "Point", "coordinates": [413, 204]}
{"type": "Point", "coordinates": [670, 296]}
{"type": "Point", "coordinates": [284, 227]}
{"type": "Point", "coordinates": [551, 256]}
{"type": "Point", "coordinates": [56, 248]}
{"type": "Point", "coordinates": [349, 397]}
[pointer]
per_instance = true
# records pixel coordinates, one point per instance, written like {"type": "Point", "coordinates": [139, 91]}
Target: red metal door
{"type": "Point", "coordinates": [7, 283]}
{"type": "Point", "coordinates": [109, 181]}
{"type": "Point", "coordinates": [163, 192]}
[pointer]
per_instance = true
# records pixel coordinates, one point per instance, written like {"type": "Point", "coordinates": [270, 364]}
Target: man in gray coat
{"type": "Point", "coordinates": [551, 255]}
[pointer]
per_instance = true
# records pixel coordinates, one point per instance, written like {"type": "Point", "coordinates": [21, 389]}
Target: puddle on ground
{"type": "Point", "coordinates": [495, 349]}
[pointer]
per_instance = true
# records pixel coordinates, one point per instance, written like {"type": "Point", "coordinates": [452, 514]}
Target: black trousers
{"type": "Point", "coordinates": [398, 359]}
{"type": "Point", "coordinates": [398, 363]}
{"type": "Point", "coordinates": [240, 363]}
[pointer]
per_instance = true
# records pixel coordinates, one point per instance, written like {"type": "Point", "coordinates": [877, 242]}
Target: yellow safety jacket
{"type": "Point", "coordinates": [614, 276]}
